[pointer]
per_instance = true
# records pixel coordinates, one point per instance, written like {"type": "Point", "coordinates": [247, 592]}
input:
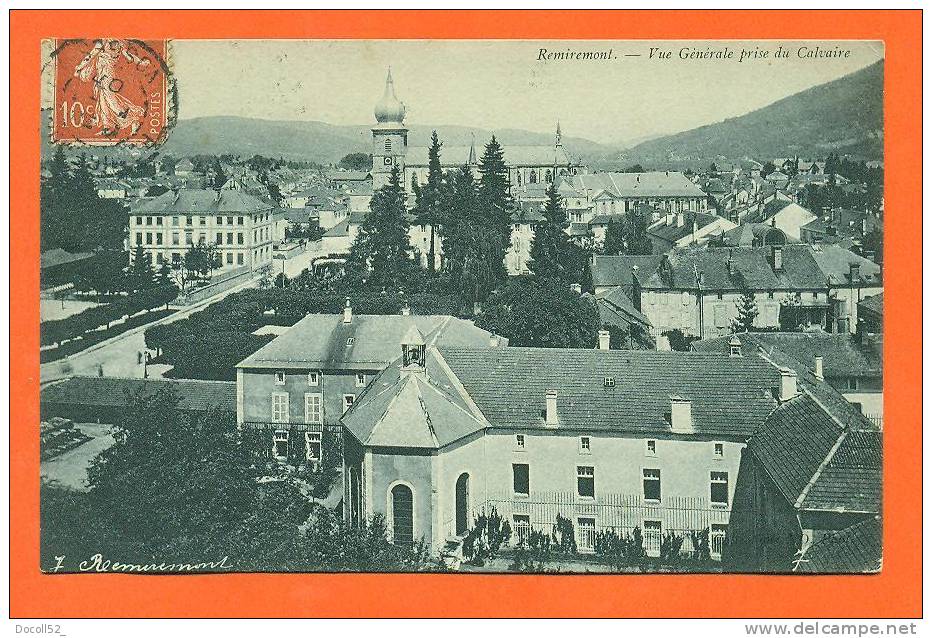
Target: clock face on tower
{"type": "Point", "coordinates": [388, 161]}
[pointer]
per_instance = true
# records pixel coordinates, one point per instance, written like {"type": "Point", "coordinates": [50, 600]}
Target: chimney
{"type": "Point", "coordinates": [494, 340]}
{"type": "Point", "coordinates": [787, 384]}
{"type": "Point", "coordinates": [348, 312]}
{"type": "Point", "coordinates": [777, 253]}
{"type": "Point", "coordinates": [406, 309]}
{"type": "Point", "coordinates": [681, 415]}
{"type": "Point", "coordinates": [818, 369]}
{"type": "Point", "coordinates": [680, 220]}
{"type": "Point", "coordinates": [550, 415]}
{"type": "Point", "coordinates": [855, 271]}
{"type": "Point", "coordinates": [604, 339]}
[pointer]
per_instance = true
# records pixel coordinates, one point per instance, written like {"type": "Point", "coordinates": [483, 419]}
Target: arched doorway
{"type": "Point", "coordinates": [462, 503]}
{"type": "Point", "coordinates": [402, 515]}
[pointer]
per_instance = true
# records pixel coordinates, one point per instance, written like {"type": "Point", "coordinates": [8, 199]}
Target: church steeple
{"type": "Point", "coordinates": [558, 140]}
{"type": "Point", "coordinates": [472, 151]}
{"type": "Point", "coordinates": [389, 136]}
{"type": "Point", "coordinates": [389, 108]}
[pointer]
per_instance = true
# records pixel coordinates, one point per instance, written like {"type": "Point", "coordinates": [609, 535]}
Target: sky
{"type": "Point", "coordinates": [501, 84]}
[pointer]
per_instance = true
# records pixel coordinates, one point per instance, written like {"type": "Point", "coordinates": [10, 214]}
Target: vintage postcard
{"type": "Point", "coordinates": [461, 306]}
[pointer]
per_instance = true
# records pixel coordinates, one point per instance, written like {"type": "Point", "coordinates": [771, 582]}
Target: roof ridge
{"type": "Point", "coordinates": [460, 388]}
{"type": "Point", "coordinates": [444, 395]}
{"type": "Point", "coordinates": [818, 473]}
{"type": "Point", "coordinates": [397, 389]}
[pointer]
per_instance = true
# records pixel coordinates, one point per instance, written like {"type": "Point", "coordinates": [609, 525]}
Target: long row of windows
{"type": "Point", "coordinates": [313, 378]}
{"type": "Point", "coordinates": [176, 257]}
{"type": "Point", "coordinates": [156, 239]}
{"type": "Point", "coordinates": [585, 442]}
{"type": "Point", "coordinates": [651, 483]}
{"type": "Point", "coordinates": [189, 220]}
{"type": "Point", "coordinates": [312, 445]}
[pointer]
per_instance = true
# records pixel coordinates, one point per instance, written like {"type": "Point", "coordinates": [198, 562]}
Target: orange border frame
{"type": "Point", "coordinates": [896, 592]}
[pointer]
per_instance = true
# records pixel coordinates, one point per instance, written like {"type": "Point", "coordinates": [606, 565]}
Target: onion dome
{"type": "Point", "coordinates": [389, 108]}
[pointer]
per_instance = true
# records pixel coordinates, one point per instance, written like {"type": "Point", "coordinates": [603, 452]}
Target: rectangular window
{"type": "Point", "coordinates": [360, 380]}
{"type": "Point", "coordinates": [522, 526]}
{"type": "Point", "coordinates": [852, 383]}
{"type": "Point", "coordinates": [718, 488]}
{"type": "Point", "coordinates": [148, 238]}
{"type": "Point", "coordinates": [313, 408]}
{"type": "Point", "coordinates": [313, 378]}
{"type": "Point", "coordinates": [586, 527]}
{"type": "Point", "coordinates": [521, 478]}
{"type": "Point", "coordinates": [138, 239]}
{"type": "Point", "coordinates": [229, 258]}
{"type": "Point", "coordinates": [189, 220]}
{"type": "Point", "coordinates": [348, 401]}
{"type": "Point", "coordinates": [651, 447]}
{"type": "Point", "coordinates": [652, 485]}
{"type": "Point", "coordinates": [219, 239]}
{"type": "Point", "coordinates": [519, 442]}
{"type": "Point", "coordinates": [175, 221]}
{"type": "Point", "coordinates": [202, 221]}
{"type": "Point", "coordinates": [585, 445]}
{"type": "Point", "coordinates": [188, 238]}
{"type": "Point", "coordinates": [717, 540]}
{"type": "Point", "coordinates": [280, 407]}
{"type": "Point", "coordinates": [230, 220]}
{"type": "Point", "coordinates": [239, 220]}
{"type": "Point", "coordinates": [312, 445]}
{"type": "Point", "coordinates": [219, 221]}
{"type": "Point", "coordinates": [148, 221]}
{"type": "Point", "coordinates": [718, 450]}
{"type": "Point", "coordinates": [230, 238]}
{"type": "Point", "coordinates": [585, 481]}
{"type": "Point", "coordinates": [239, 259]}
{"type": "Point", "coordinates": [158, 221]}
{"type": "Point", "coordinates": [139, 221]}
{"type": "Point", "coordinates": [158, 238]}
{"type": "Point", "coordinates": [280, 444]}
{"type": "Point", "coordinates": [280, 378]}
{"type": "Point", "coordinates": [239, 238]}
{"type": "Point", "coordinates": [653, 534]}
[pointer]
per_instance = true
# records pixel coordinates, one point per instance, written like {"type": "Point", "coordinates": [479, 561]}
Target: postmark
{"type": "Point", "coordinates": [110, 91]}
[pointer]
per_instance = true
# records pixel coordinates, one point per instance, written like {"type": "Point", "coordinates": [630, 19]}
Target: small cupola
{"type": "Point", "coordinates": [413, 350]}
{"type": "Point", "coordinates": [734, 346]}
{"type": "Point", "coordinates": [347, 312]}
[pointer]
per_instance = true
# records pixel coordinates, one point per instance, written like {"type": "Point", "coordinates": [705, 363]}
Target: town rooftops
{"type": "Point", "coordinates": [754, 234]}
{"type": "Point", "coordinates": [730, 397]}
{"type": "Point", "coordinates": [622, 185]}
{"type": "Point", "coordinates": [365, 342]}
{"type": "Point", "coordinates": [673, 232]}
{"type": "Point", "coordinates": [117, 392]}
{"type": "Point", "coordinates": [617, 309]}
{"type": "Point", "coordinates": [873, 304]}
{"type": "Point", "coordinates": [348, 176]}
{"type": "Point", "coordinates": [193, 201]}
{"type": "Point", "coordinates": [801, 267]}
{"type": "Point", "coordinates": [616, 270]}
{"type": "Point", "coordinates": [842, 354]}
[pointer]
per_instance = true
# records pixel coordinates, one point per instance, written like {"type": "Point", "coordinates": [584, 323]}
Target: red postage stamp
{"type": "Point", "coordinates": [111, 90]}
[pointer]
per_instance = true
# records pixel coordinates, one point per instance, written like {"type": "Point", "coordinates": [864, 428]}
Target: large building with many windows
{"type": "Point", "coordinates": [608, 439]}
{"type": "Point", "coordinates": [238, 224]}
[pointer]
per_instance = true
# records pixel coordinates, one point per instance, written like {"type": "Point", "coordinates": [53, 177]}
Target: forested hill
{"type": "Point", "coordinates": [844, 116]}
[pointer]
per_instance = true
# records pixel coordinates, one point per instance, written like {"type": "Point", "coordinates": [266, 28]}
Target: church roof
{"type": "Point", "coordinates": [456, 156]}
{"type": "Point", "coordinates": [653, 184]}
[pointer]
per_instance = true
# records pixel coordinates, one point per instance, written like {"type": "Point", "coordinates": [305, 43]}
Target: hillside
{"type": "Point", "coordinates": [843, 116]}
{"type": "Point", "coordinates": [326, 143]}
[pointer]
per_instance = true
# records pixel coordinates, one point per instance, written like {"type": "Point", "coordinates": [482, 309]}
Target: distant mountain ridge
{"type": "Point", "coordinates": [844, 116]}
{"type": "Point", "coordinates": [328, 143]}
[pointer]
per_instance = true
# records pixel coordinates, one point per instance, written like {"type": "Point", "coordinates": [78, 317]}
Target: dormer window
{"type": "Point", "coordinates": [313, 378]}
{"type": "Point", "coordinates": [280, 378]}
{"type": "Point", "coordinates": [360, 379]}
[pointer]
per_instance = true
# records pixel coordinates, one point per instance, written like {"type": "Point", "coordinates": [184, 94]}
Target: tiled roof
{"type": "Point", "coordinates": [196, 200]}
{"type": "Point", "coordinates": [616, 308]}
{"type": "Point", "coordinates": [853, 477]}
{"type": "Point", "coordinates": [655, 184]}
{"type": "Point", "coordinates": [751, 269]}
{"type": "Point", "coordinates": [115, 392]}
{"type": "Point", "coordinates": [842, 355]}
{"type": "Point", "coordinates": [369, 342]}
{"type": "Point", "coordinates": [746, 234]}
{"type": "Point", "coordinates": [616, 270]}
{"type": "Point", "coordinates": [730, 396]}
{"type": "Point", "coordinates": [874, 304]}
{"type": "Point", "coordinates": [835, 262]}
{"type": "Point", "coordinates": [857, 549]}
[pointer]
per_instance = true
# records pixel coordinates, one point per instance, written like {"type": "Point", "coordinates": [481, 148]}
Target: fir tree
{"type": "Point", "coordinates": [635, 230]}
{"type": "Point", "coordinates": [430, 204]}
{"type": "Point", "coordinates": [614, 243]}
{"type": "Point", "coordinates": [495, 203]}
{"type": "Point", "coordinates": [549, 247]}
{"type": "Point", "coordinates": [747, 313]}
{"type": "Point", "coordinates": [140, 276]}
{"type": "Point", "coordinates": [382, 248]}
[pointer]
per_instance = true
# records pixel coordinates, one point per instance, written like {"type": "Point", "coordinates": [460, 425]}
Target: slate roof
{"type": "Point", "coordinates": [617, 309]}
{"type": "Point", "coordinates": [748, 234]}
{"type": "Point", "coordinates": [730, 396]}
{"type": "Point", "coordinates": [653, 184]}
{"type": "Point", "coordinates": [458, 156]}
{"type": "Point", "coordinates": [874, 304]}
{"type": "Point", "coordinates": [187, 201]}
{"type": "Point", "coordinates": [321, 341]}
{"type": "Point", "coordinates": [857, 549]}
{"type": "Point", "coordinates": [842, 355]}
{"type": "Point", "coordinates": [835, 262]}
{"type": "Point", "coordinates": [116, 392]}
{"type": "Point", "coordinates": [410, 413]}
{"type": "Point", "coordinates": [751, 269]}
